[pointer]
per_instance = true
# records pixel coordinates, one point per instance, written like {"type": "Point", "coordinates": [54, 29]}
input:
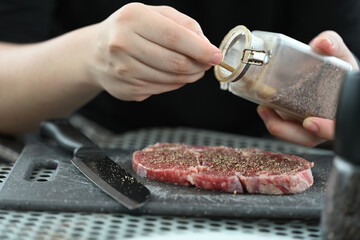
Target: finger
{"type": "Point", "coordinates": [139, 70]}
{"type": "Point", "coordinates": [287, 130]}
{"type": "Point", "coordinates": [180, 18]}
{"type": "Point", "coordinates": [140, 90]}
{"type": "Point", "coordinates": [321, 127]}
{"type": "Point", "coordinates": [169, 34]}
{"type": "Point", "coordinates": [153, 88]}
{"type": "Point", "coordinates": [330, 43]}
{"type": "Point", "coordinates": [162, 58]}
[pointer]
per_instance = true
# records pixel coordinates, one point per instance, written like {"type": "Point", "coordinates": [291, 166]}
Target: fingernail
{"type": "Point", "coordinates": [262, 113]}
{"type": "Point", "coordinates": [310, 126]}
{"type": "Point", "coordinates": [328, 42]}
{"type": "Point", "coordinates": [216, 58]}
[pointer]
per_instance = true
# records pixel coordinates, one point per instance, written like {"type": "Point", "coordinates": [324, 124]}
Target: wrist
{"type": "Point", "coordinates": [93, 55]}
{"type": "Point", "coordinates": [73, 59]}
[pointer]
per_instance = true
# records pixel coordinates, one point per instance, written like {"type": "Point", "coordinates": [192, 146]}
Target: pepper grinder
{"type": "Point", "coordinates": [341, 214]}
{"type": "Point", "coordinates": [280, 72]}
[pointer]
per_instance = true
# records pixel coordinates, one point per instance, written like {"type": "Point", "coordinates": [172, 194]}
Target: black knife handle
{"type": "Point", "coordinates": [66, 135]}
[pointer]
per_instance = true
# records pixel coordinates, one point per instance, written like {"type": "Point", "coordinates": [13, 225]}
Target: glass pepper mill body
{"type": "Point", "coordinates": [280, 72]}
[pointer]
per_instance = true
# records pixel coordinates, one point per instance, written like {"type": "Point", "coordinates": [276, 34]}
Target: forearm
{"type": "Point", "coordinates": [44, 80]}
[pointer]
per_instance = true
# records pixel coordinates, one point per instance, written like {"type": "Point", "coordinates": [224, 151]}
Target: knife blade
{"type": "Point", "coordinates": [93, 162]}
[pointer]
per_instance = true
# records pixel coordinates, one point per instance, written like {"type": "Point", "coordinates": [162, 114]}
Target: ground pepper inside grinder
{"type": "Point", "coordinates": [341, 213]}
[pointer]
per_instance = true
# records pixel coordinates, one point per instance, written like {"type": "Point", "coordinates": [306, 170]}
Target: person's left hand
{"type": "Point", "coordinates": [313, 130]}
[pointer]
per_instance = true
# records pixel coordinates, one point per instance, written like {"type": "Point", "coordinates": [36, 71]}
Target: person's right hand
{"type": "Point", "coordinates": [143, 50]}
{"type": "Point", "coordinates": [313, 130]}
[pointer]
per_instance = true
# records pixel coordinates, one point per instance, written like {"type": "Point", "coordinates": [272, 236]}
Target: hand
{"type": "Point", "coordinates": [313, 130]}
{"type": "Point", "coordinates": [144, 50]}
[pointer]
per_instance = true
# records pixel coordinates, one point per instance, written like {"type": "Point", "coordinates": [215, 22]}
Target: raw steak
{"type": "Point", "coordinates": [223, 168]}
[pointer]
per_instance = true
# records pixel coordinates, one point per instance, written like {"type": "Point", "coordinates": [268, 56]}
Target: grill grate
{"type": "Point", "coordinates": [4, 172]}
{"type": "Point", "coordinates": [17, 225]}
{"type": "Point", "coordinates": [42, 174]}
{"type": "Point", "coordinates": [87, 226]}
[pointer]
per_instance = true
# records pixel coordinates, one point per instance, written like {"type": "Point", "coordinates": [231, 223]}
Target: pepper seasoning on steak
{"type": "Point", "coordinates": [224, 169]}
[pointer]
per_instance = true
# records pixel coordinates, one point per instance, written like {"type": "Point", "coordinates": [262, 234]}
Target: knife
{"type": "Point", "coordinates": [93, 162]}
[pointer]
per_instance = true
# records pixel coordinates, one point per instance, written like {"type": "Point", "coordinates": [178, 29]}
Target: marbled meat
{"type": "Point", "coordinates": [225, 169]}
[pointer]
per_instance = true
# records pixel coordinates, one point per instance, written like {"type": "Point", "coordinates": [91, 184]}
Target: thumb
{"type": "Point", "coordinates": [330, 43]}
{"type": "Point", "coordinates": [320, 127]}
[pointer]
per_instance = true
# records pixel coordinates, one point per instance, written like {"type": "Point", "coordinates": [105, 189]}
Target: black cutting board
{"type": "Point", "coordinates": [68, 190]}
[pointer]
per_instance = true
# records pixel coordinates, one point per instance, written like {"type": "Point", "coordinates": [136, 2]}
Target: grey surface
{"type": "Point", "coordinates": [69, 190]}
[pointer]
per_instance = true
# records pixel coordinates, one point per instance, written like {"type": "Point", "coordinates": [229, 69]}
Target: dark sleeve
{"type": "Point", "coordinates": [25, 21]}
